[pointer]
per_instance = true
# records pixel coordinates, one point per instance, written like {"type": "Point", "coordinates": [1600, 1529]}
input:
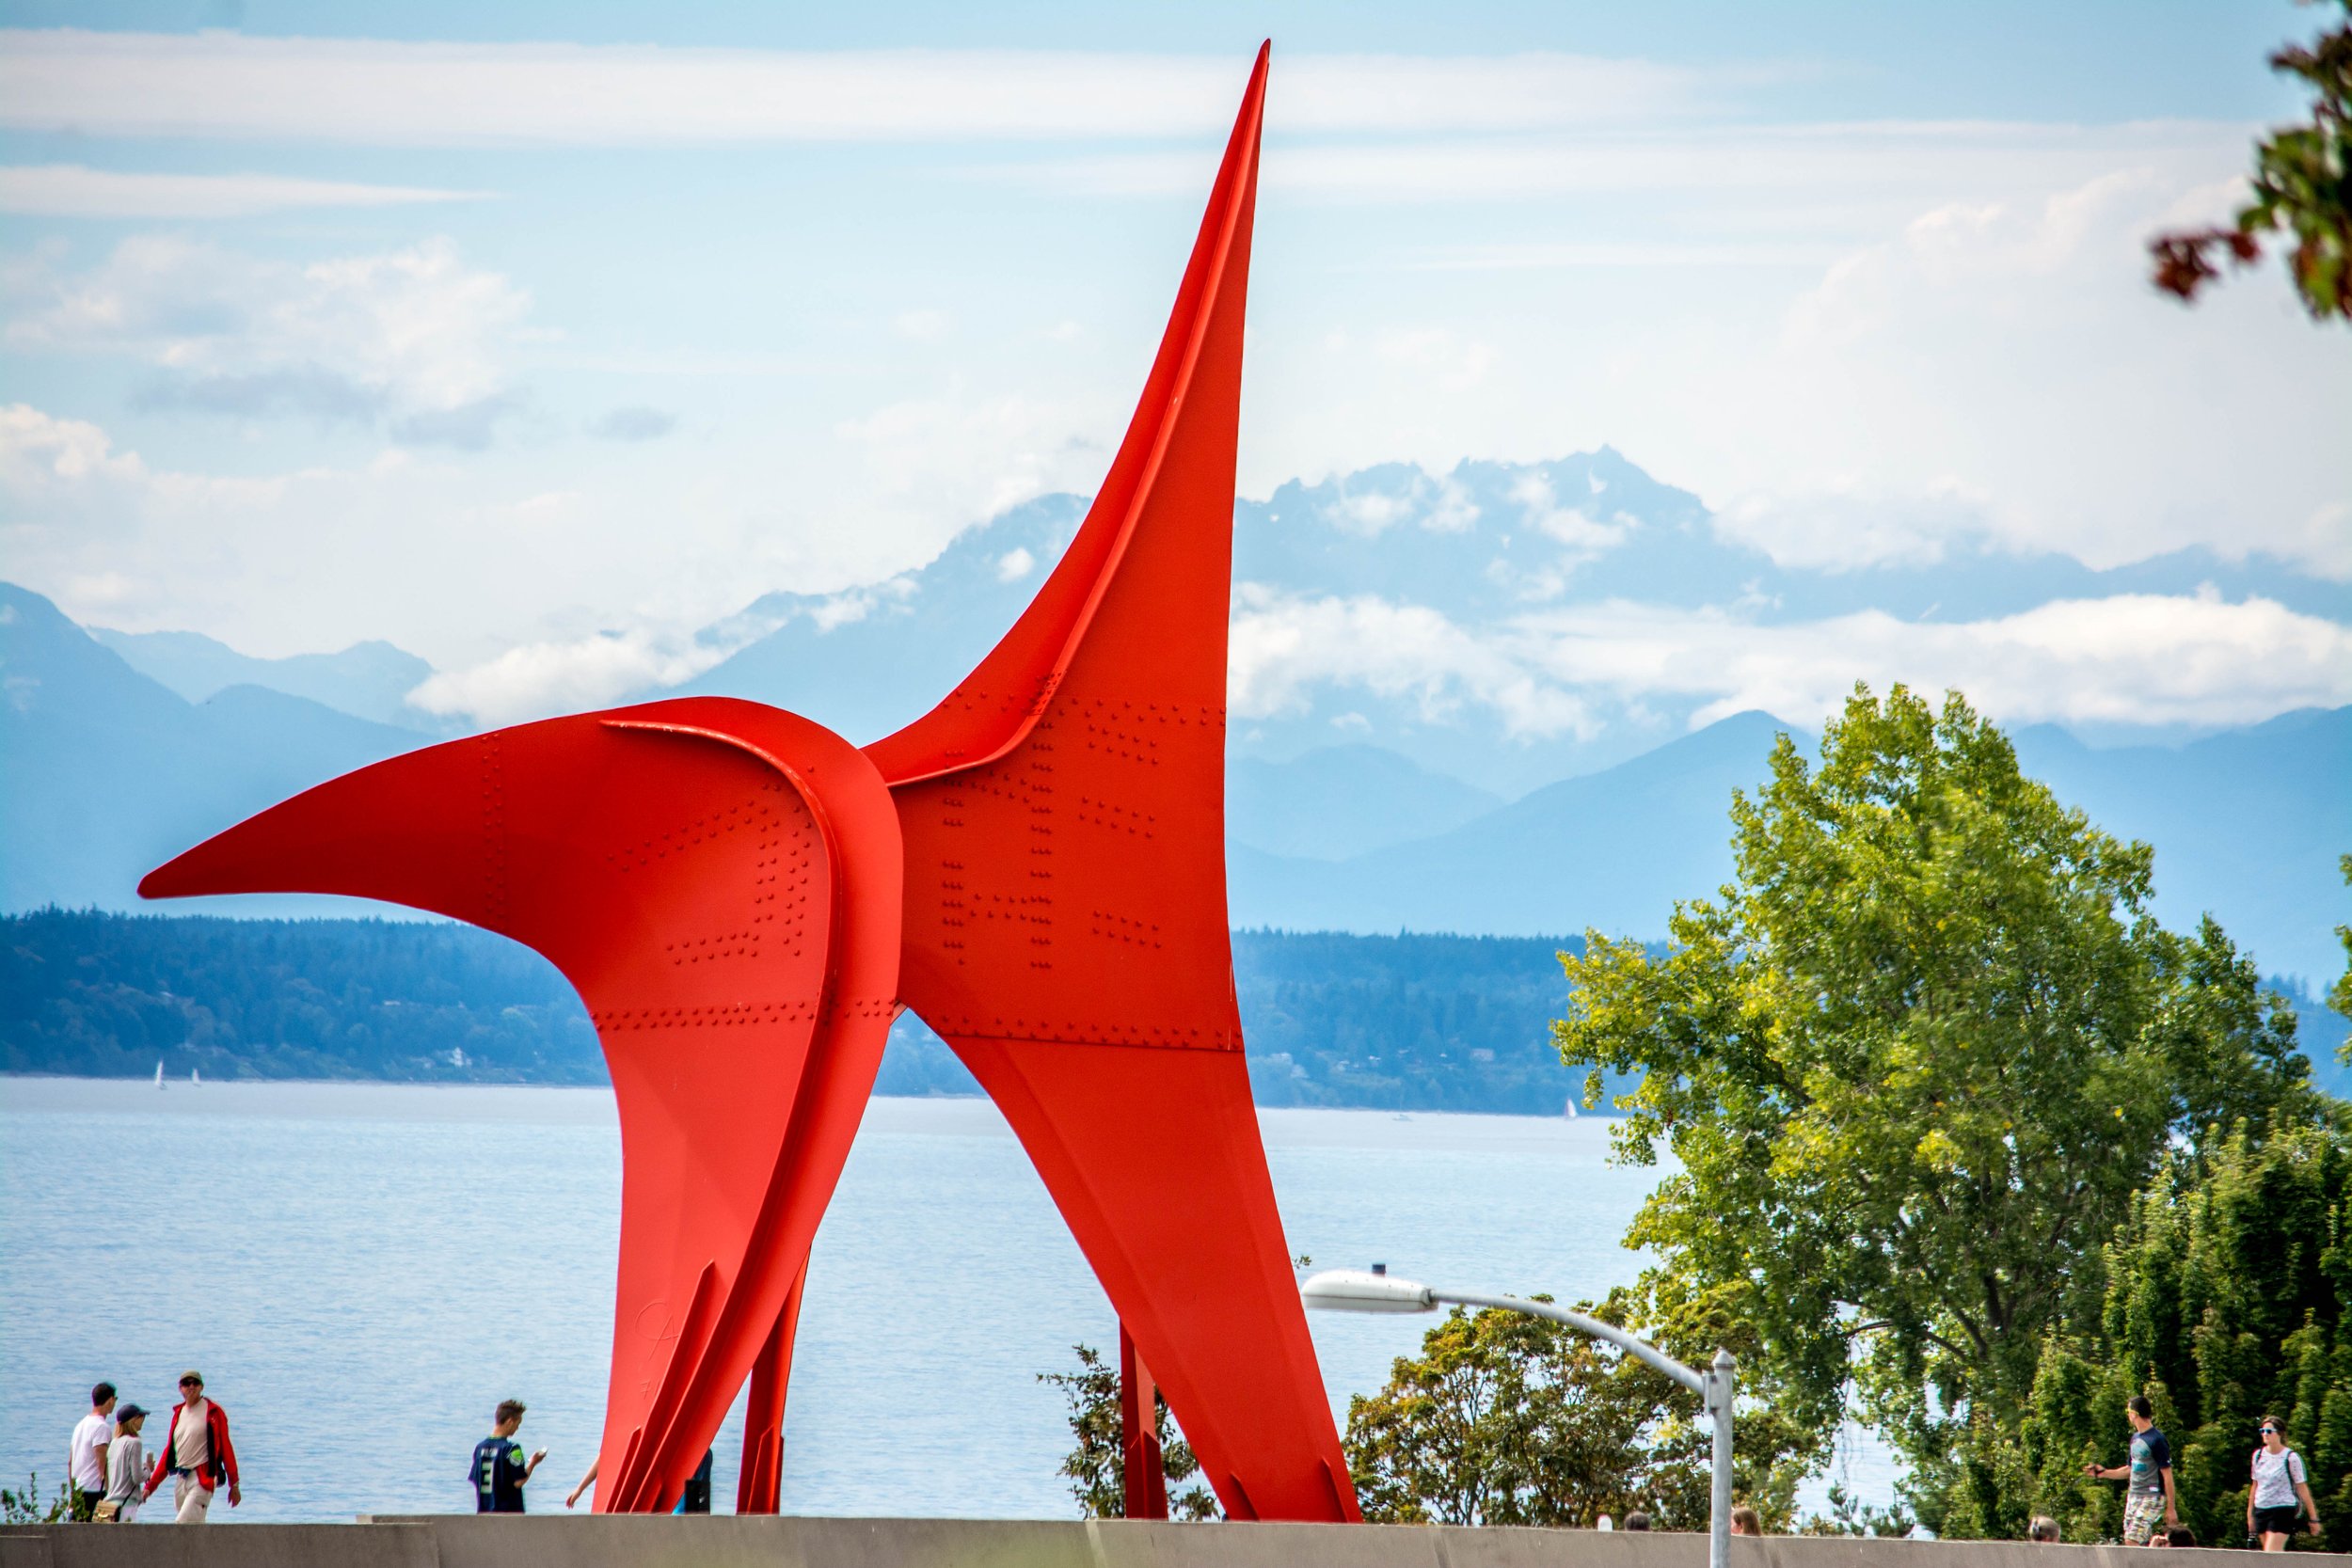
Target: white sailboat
{"type": "Point", "coordinates": [159, 1073]}
{"type": "Point", "coordinates": [196, 1079]}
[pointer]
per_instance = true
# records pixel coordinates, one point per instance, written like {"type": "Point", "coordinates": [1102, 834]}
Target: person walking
{"type": "Point", "coordinates": [86, 1453]}
{"type": "Point", "coordinates": [500, 1471]}
{"type": "Point", "coordinates": [1746, 1521]}
{"type": "Point", "coordinates": [2147, 1495]}
{"type": "Point", "coordinates": [2281, 1489]}
{"type": "Point", "coordinates": [126, 1466]}
{"type": "Point", "coordinates": [196, 1454]}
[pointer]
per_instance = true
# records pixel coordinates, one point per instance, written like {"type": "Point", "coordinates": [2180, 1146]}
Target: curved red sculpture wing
{"type": "Point", "coordinates": [1063, 817]}
{"type": "Point", "coordinates": [721, 881]}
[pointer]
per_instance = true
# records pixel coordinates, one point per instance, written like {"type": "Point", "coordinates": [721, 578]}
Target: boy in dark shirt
{"type": "Point", "coordinates": [499, 1468]}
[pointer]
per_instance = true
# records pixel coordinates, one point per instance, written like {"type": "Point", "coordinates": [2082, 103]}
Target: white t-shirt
{"type": "Point", "coordinates": [2275, 1477]}
{"type": "Point", "coordinates": [191, 1440]}
{"type": "Point", "coordinates": [91, 1432]}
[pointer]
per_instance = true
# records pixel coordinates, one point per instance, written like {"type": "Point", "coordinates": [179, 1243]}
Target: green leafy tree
{"type": "Point", "coordinates": [26, 1507]}
{"type": "Point", "coordinates": [1915, 1062]}
{"type": "Point", "coordinates": [2340, 994]}
{"type": "Point", "coordinates": [1097, 1467]}
{"type": "Point", "coordinates": [2302, 187]}
{"type": "Point", "coordinates": [1849, 1515]}
{"type": "Point", "coordinates": [1505, 1419]}
{"type": "Point", "coordinates": [2229, 1297]}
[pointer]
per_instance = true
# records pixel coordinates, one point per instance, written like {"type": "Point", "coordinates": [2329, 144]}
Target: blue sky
{"type": "Point", "coordinates": [520, 334]}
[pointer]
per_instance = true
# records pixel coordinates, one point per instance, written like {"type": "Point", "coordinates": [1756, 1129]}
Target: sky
{"type": "Point", "coordinates": [516, 335]}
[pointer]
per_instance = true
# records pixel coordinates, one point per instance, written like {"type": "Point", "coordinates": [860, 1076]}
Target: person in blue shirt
{"type": "Point", "coordinates": [2148, 1500]}
{"type": "Point", "coordinates": [499, 1470]}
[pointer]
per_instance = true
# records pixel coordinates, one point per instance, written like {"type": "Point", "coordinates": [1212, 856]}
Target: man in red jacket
{"type": "Point", "coordinates": [196, 1450]}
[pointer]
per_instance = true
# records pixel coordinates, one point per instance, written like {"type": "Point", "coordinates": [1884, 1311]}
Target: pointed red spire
{"type": "Point", "coordinates": [1066, 930]}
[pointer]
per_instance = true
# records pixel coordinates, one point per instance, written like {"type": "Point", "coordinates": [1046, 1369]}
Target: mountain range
{"type": "Point", "coordinates": [105, 773]}
{"type": "Point", "coordinates": [1426, 614]}
{"type": "Point", "coordinates": [1504, 624]}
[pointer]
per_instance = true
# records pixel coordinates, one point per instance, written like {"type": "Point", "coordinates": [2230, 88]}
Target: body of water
{"type": "Point", "coordinates": [363, 1271]}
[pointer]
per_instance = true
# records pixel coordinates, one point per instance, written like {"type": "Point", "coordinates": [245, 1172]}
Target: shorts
{"type": "Point", "coordinates": [2143, 1511]}
{"type": "Point", "coordinates": [2276, 1521]}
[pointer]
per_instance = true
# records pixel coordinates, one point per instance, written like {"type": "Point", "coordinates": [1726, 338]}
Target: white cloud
{"type": "Point", "coordinates": [1843, 526]}
{"type": "Point", "coordinates": [437, 557]}
{"type": "Point", "coordinates": [37, 450]}
{"type": "Point", "coordinates": [70, 190]}
{"type": "Point", "coordinates": [927, 466]}
{"type": "Point", "coordinates": [2130, 659]}
{"type": "Point", "coordinates": [1584, 536]}
{"type": "Point", "coordinates": [1367, 505]}
{"type": "Point", "coordinates": [923, 326]}
{"type": "Point", "coordinates": [438, 94]}
{"type": "Point", "coordinates": [1448, 361]}
{"type": "Point", "coordinates": [569, 676]}
{"type": "Point", "coordinates": [1760, 177]}
{"type": "Point", "coordinates": [1283, 647]}
{"type": "Point", "coordinates": [1014, 565]}
{"type": "Point", "coordinates": [1999, 373]}
{"type": "Point", "coordinates": [413, 334]}
{"type": "Point", "coordinates": [68, 468]}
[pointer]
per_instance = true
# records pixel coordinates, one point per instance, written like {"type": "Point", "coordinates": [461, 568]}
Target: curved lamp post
{"type": "Point", "coordinates": [1378, 1291]}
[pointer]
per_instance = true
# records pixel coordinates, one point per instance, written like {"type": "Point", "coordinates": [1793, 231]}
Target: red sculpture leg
{"type": "Point", "coordinates": [1143, 1472]}
{"type": "Point", "coordinates": [720, 882]}
{"type": "Point", "coordinates": [1063, 814]}
{"type": "Point", "coordinates": [759, 1486]}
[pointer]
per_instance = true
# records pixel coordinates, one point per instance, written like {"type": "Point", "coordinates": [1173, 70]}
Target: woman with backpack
{"type": "Point", "coordinates": [2281, 1489]}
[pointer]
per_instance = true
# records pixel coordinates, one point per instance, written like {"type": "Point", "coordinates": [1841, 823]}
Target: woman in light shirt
{"type": "Point", "coordinates": [2281, 1484]}
{"type": "Point", "coordinates": [126, 1465]}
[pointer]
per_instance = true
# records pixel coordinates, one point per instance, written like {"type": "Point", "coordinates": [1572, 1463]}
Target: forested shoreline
{"type": "Point", "coordinates": [1402, 1022]}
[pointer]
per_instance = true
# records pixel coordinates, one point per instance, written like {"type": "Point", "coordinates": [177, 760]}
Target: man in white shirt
{"type": "Point", "coordinates": [86, 1456]}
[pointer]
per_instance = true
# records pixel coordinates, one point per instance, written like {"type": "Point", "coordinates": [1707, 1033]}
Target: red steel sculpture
{"type": "Point", "coordinates": [745, 901]}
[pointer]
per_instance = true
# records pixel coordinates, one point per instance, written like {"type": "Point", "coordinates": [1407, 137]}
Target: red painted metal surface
{"type": "Point", "coordinates": [720, 880]}
{"type": "Point", "coordinates": [1065, 906]}
{"type": "Point", "coordinates": [759, 1486]}
{"type": "Point", "coordinates": [1144, 1470]}
{"type": "Point", "coordinates": [1037, 867]}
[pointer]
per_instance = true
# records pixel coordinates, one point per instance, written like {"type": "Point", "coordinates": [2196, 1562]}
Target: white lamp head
{"type": "Point", "coordinates": [1366, 1291]}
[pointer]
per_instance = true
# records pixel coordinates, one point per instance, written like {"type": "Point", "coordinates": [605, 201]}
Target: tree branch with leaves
{"type": "Point", "coordinates": [2301, 189]}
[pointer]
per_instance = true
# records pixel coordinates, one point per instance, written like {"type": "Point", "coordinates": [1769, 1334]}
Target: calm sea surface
{"type": "Point", "coordinates": [363, 1271]}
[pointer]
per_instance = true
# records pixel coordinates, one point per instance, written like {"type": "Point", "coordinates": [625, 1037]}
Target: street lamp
{"type": "Point", "coordinates": [1378, 1291]}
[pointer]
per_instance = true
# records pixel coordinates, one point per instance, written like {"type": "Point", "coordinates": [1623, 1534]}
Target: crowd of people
{"type": "Point", "coordinates": [107, 1475]}
{"type": "Point", "coordinates": [110, 1478]}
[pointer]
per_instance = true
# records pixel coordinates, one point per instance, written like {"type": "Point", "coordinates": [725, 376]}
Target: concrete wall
{"type": "Point", "coordinates": [219, 1545]}
{"type": "Point", "coordinates": [472, 1541]}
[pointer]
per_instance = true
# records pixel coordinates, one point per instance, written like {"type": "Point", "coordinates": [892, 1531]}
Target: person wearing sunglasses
{"type": "Point", "coordinates": [2281, 1489]}
{"type": "Point", "coordinates": [197, 1453]}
